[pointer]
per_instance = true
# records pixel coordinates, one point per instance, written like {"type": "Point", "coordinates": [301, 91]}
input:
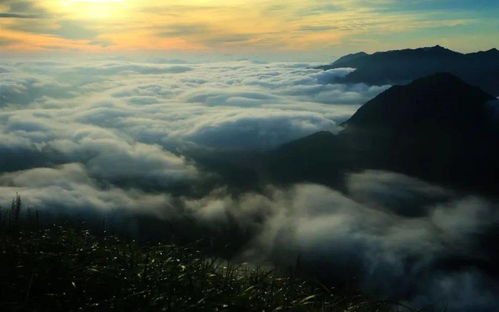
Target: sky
{"type": "Point", "coordinates": [296, 29]}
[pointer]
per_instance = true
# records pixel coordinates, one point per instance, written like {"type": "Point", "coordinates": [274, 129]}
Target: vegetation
{"type": "Point", "coordinates": [62, 268]}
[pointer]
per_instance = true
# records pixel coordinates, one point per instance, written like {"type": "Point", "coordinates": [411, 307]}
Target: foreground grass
{"type": "Point", "coordinates": [67, 268]}
{"type": "Point", "coordinates": [64, 269]}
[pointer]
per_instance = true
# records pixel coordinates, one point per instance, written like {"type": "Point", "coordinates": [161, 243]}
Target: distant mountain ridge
{"type": "Point", "coordinates": [402, 66]}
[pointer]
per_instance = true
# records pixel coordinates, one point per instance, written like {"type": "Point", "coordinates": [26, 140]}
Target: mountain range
{"type": "Point", "coordinates": [402, 66]}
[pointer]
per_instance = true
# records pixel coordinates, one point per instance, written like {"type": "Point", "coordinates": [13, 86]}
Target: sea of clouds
{"type": "Point", "coordinates": [113, 123]}
{"type": "Point", "coordinates": [105, 135]}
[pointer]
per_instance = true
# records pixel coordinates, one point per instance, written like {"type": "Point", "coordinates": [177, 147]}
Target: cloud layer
{"type": "Point", "coordinates": [238, 104]}
{"type": "Point", "coordinates": [100, 136]}
{"type": "Point", "coordinates": [127, 124]}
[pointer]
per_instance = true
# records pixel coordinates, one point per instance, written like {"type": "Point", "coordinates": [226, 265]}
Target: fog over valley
{"type": "Point", "coordinates": [133, 142]}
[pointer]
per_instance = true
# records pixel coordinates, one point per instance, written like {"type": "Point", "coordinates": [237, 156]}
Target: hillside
{"type": "Point", "coordinates": [438, 128]}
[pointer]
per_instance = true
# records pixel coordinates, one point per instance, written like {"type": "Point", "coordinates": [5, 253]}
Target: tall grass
{"type": "Point", "coordinates": [60, 268]}
{"type": "Point", "coordinates": [15, 218]}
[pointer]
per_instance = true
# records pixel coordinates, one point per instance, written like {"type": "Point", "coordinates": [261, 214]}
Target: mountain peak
{"type": "Point", "coordinates": [436, 47]}
{"type": "Point", "coordinates": [438, 51]}
{"type": "Point", "coordinates": [440, 80]}
{"type": "Point", "coordinates": [441, 98]}
{"type": "Point", "coordinates": [349, 58]}
{"type": "Point", "coordinates": [493, 51]}
{"type": "Point", "coordinates": [439, 47]}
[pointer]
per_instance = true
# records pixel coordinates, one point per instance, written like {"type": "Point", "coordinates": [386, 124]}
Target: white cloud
{"type": "Point", "coordinates": [235, 104]}
{"type": "Point", "coordinates": [69, 190]}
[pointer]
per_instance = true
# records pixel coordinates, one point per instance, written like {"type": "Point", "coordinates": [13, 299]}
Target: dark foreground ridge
{"type": "Point", "coordinates": [66, 268]}
{"type": "Point", "coordinates": [401, 66]}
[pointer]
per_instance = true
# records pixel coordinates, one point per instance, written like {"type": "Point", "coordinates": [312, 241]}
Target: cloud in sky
{"type": "Point", "coordinates": [15, 15]}
{"type": "Point", "coordinates": [242, 26]}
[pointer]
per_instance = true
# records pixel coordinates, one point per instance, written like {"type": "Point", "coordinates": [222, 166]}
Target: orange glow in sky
{"type": "Point", "coordinates": [238, 26]}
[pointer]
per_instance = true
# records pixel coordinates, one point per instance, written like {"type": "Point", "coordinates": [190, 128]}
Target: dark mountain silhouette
{"type": "Point", "coordinates": [402, 66]}
{"type": "Point", "coordinates": [438, 128]}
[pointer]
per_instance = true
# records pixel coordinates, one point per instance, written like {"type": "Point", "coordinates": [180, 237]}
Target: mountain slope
{"type": "Point", "coordinates": [440, 98]}
{"type": "Point", "coordinates": [438, 128]}
{"type": "Point", "coordinates": [402, 66]}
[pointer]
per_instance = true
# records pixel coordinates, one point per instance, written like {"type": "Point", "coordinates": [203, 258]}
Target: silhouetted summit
{"type": "Point", "coordinates": [402, 66]}
{"type": "Point", "coordinates": [350, 59]}
{"type": "Point", "coordinates": [441, 98]}
{"type": "Point", "coordinates": [438, 128]}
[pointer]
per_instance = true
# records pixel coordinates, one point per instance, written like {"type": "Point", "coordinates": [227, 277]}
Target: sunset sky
{"type": "Point", "coordinates": [242, 27]}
